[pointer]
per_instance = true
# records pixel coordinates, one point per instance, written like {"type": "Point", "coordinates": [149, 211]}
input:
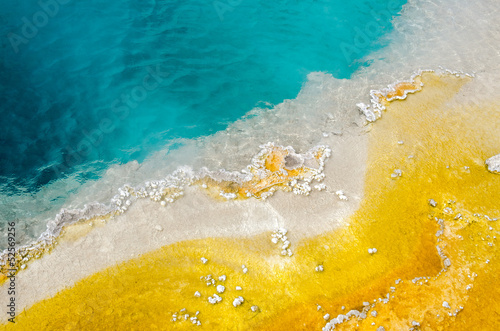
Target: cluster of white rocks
{"type": "Point", "coordinates": [320, 187]}
{"type": "Point", "coordinates": [216, 298]}
{"type": "Point", "coordinates": [372, 251]}
{"type": "Point", "coordinates": [301, 188]}
{"type": "Point", "coordinates": [341, 318]}
{"type": "Point", "coordinates": [300, 184]}
{"type": "Point", "coordinates": [211, 281]}
{"type": "Point", "coordinates": [165, 191]}
{"type": "Point", "coordinates": [452, 312]}
{"type": "Point", "coordinates": [280, 235]}
{"type": "Point", "coordinates": [183, 314]}
{"type": "Point", "coordinates": [420, 280]}
{"type": "Point", "coordinates": [368, 309]}
{"type": "Point", "coordinates": [208, 280]}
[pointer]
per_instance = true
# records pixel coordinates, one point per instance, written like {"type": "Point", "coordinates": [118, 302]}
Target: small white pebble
{"type": "Point", "coordinates": [341, 195]}
{"type": "Point", "coordinates": [163, 203]}
{"type": "Point", "coordinates": [245, 270]}
{"type": "Point", "coordinates": [204, 260]}
{"type": "Point", "coordinates": [397, 173]}
{"type": "Point", "coordinates": [197, 294]}
{"type": "Point", "coordinates": [326, 317]}
{"type": "Point", "coordinates": [374, 313]}
{"type": "Point", "coordinates": [222, 278]}
{"type": "Point", "coordinates": [254, 308]}
{"type": "Point", "coordinates": [238, 288]}
{"type": "Point", "coordinates": [319, 268]}
{"type": "Point", "coordinates": [220, 288]}
{"type": "Point", "coordinates": [446, 305]}
{"type": "Point", "coordinates": [238, 301]}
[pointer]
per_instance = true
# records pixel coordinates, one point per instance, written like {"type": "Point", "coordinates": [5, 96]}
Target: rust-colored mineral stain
{"type": "Point", "coordinates": [401, 90]}
{"type": "Point", "coordinates": [270, 175]}
{"type": "Point", "coordinates": [275, 160]}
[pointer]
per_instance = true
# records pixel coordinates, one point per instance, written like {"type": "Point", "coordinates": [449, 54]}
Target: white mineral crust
{"type": "Point", "coordinates": [493, 164]}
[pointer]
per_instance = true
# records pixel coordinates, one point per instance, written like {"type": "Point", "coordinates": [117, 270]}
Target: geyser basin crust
{"type": "Point", "coordinates": [435, 267]}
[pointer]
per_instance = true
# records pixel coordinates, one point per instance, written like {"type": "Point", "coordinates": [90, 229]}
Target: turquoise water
{"type": "Point", "coordinates": [88, 84]}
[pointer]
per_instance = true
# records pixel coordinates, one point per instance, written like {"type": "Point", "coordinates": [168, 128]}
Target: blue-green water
{"type": "Point", "coordinates": [86, 84]}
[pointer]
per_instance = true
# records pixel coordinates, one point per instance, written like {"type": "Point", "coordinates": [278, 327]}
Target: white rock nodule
{"type": "Point", "coordinates": [493, 164]}
{"type": "Point", "coordinates": [238, 301]}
